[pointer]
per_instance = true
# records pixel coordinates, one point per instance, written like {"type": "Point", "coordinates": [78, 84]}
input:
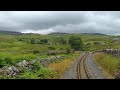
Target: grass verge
{"type": "Point", "coordinates": [108, 62]}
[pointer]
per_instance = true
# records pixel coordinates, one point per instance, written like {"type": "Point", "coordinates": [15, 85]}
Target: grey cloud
{"type": "Point", "coordinates": [107, 22]}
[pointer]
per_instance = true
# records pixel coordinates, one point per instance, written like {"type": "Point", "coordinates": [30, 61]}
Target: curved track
{"type": "Point", "coordinates": [82, 72]}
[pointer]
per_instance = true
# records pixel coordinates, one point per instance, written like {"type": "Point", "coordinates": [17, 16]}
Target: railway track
{"type": "Point", "coordinates": [82, 72]}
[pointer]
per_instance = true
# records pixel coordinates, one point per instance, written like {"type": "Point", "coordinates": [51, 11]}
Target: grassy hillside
{"type": "Point", "coordinates": [18, 47]}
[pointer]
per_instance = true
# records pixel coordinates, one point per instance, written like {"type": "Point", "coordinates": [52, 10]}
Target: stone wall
{"type": "Point", "coordinates": [16, 69]}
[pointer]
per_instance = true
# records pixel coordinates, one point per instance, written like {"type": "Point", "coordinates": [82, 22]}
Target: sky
{"type": "Point", "coordinates": [44, 22]}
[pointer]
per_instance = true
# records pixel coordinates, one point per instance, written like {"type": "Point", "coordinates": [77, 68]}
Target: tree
{"type": "Point", "coordinates": [75, 42]}
{"type": "Point", "coordinates": [43, 41]}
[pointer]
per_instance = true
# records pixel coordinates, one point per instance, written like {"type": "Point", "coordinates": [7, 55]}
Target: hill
{"type": "Point", "coordinates": [93, 34]}
{"type": "Point", "coordinates": [9, 32]}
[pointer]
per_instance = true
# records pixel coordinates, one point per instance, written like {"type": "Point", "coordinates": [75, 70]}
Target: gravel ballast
{"type": "Point", "coordinates": [93, 69]}
{"type": "Point", "coordinates": [71, 72]}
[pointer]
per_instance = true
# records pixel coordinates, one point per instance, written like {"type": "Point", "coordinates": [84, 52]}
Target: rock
{"type": "Point", "coordinates": [116, 75]}
{"type": "Point", "coordinates": [6, 72]}
{"type": "Point", "coordinates": [15, 69]}
{"type": "Point", "coordinates": [32, 61]}
{"type": "Point", "coordinates": [62, 57]}
{"type": "Point", "coordinates": [1, 71]}
{"type": "Point", "coordinates": [10, 68]}
{"type": "Point", "coordinates": [19, 64]}
{"type": "Point", "coordinates": [24, 63]}
{"type": "Point", "coordinates": [5, 67]}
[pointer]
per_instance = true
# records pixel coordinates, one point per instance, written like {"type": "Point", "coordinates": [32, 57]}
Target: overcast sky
{"type": "Point", "coordinates": [44, 22]}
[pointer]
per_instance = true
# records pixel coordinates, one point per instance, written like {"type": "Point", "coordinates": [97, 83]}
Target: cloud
{"type": "Point", "coordinates": [44, 22]}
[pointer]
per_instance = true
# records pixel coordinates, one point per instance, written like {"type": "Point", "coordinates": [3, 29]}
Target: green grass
{"type": "Point", "coordinates": [15, 48]}
{"type": "Point", "coordinates": [108, 62]}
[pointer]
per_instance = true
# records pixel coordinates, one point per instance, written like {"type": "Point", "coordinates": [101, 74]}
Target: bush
{"type": "Point", "coordinates": [61, 48]}
{"type": "Point", "coordinates": [68, 50]}
{"type": "Point", "coordinates": [43, 41]}
{"type": "Point", "coordinates": [32, 41]}
{"type": "Point", "coordinates": [88, 44]}
{"type": "Point", "coordinates": [96, 43]}
{"type": "Point", "coordinates": [51, 53]}
{"type": "Point", "coordinates": [27, 75]}
{"type": "Point", "coordinates": [46, 73]}
{"type": "Point", "coordinates": [51, 48]}
{"type": "Point", "coordinates": [36, 51]}
{"type": "Point", "coordinates": [43, 73]}
{"type": "Point", "coordinates": [37, 66]}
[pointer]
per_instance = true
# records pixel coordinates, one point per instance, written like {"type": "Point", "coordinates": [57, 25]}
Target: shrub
{"type": "Point", "coordinates": [27, 75]}
{"type": "Point", "coordinates": [61, 48]}
{"type": "Point", "coordinates": [32, 41]}
{"type": "Point", "coordinates": [51, 53]}
{"type": "Point", "coordinates": [68, 50]}
{"type": "Point", "coordinates": [37, 66]}
{"type": "Point", "coordinates": [43, 73]}
{"type": "Point", "coordinates": [46, 73]}
{"type": "Point", "coordinates": [51, 48]}
{"type": "Point", "coordinates": [96, 43]}
{"type": "Point", "coordinates": [36, 51]}
{"type": "Point", "coordinates": [43, 41]}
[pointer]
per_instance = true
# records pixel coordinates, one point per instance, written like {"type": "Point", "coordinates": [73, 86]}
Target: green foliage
{"type": "Point", "coordinates": [43, 73]}
{"type": "Point", "coordinates": [3, 77]}
{"type": "Point", "coordinates": [88, 44]}
{"type": "Point", "coordinates": [46, 73]}
{"type": "Point", "coordinates": [51, 48]}
{"type": "Point", "coordinates": [61, 48]}
{"type": "Point", "coordinates": [97, 43]}
{"type": "Point", "coordinates": [68, 50]}
{"type": "Point", "coordinates": [51, 53]}
{"type": "Point", "coordinates": [37, 66]}
{"type": "Point", "coordinates": [36, 51]}
{"type": "Point", "coordinates": [108, 62]}
{"type": "Point", "coordinates": [43, 41]}
{"type": "Point", "coordinates": [32, 41]}
{"type": "Point", "coordinates": [27, 75]}
{"type": "Point", "coordinates": [16, 48]}
{"type": "Point", "coordinates": [61, 40]}
{"type": "Point", "coordinates": [76, 43]}
{"type": "Point", "coordinates": [7, 59]}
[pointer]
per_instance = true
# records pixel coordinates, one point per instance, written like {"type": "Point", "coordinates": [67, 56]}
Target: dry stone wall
{"type": "Point", "coordinates": [16, 69]}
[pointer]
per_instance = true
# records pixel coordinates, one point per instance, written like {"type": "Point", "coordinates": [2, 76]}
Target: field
{"type": "Point", "coordinates": [16, 48]}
